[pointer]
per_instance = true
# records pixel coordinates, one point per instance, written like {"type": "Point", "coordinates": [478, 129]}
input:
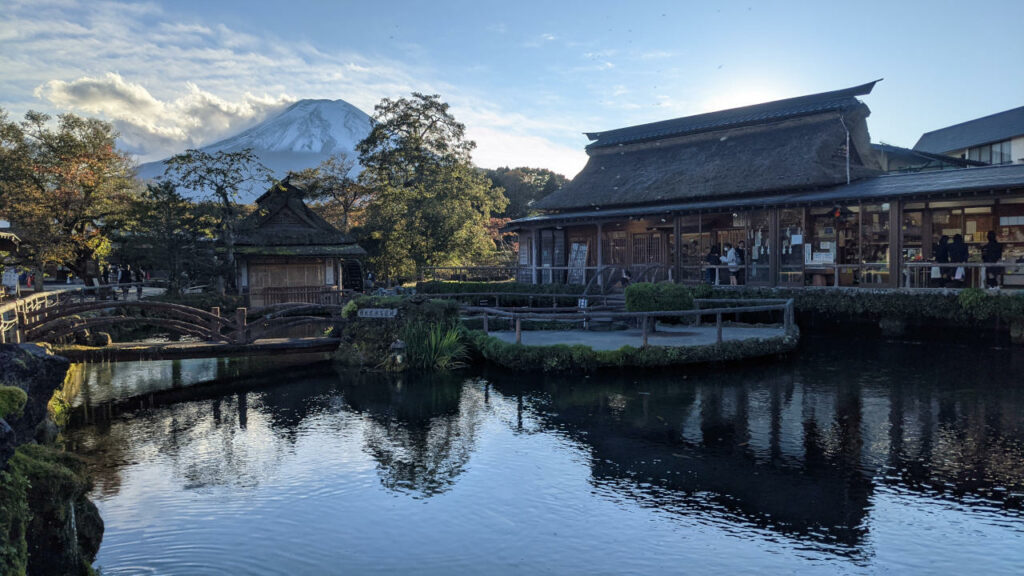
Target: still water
{"type": "Point", "coordinates": [852, 458]}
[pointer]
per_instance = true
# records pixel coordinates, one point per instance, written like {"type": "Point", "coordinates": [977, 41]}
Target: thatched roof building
{"type": "Point", "coordinates": [288, 253]}
{"type": "Point", "coordinates": [798, 143]}
{"type": "Point", "coordinates": [795, 185]}
{"type": "Point", "coordinates": [282, 224]}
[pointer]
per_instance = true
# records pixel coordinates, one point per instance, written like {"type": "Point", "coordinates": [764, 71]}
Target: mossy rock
{"type": "Point", "coordinates": [12, 401]}
{"type": "Point", "coordinates": [48, 524]}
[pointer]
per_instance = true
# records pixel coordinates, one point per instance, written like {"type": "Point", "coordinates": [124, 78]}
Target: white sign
{"type": "Point", "coordinates": [378, 312]}
{"type": "Point", "coordinates": [11, 278]}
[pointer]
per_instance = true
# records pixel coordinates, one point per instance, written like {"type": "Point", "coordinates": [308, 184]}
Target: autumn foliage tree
{"type": "Point", "coordinates": [430, 206]}
{"type": "Point", "coordinates": [333, 191]}
{"type": "Point", "coordinates": [219, 176]}
{"type": "Point", "coordinates": [60, 184]}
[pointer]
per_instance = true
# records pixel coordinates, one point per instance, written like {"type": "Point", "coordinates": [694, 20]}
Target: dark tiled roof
{"type": "Point", "coordinates": [799, 153]}
{"type": "Point", "coordinates": [735, 117]}
{"type": "Point", "coordinates": [924, 158]}
{"type": "Point", "coordinates": [995, 179]}
{"type": "Point", "coordinates": [1001, 126]}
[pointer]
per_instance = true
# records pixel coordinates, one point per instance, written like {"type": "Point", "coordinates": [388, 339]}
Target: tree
{"type": "Point", "coordinates": [430, 206]}
{"type": "Point", "coordinates": [59, 185]}
{"type": "Point", "coordinates": [335, 194]}
{"type": "Point", "coordinates": [523, 186]}
{"type": "Point", "coordinates": [220, 176]}
{"type": "Point", "coordinates": [165, 231]}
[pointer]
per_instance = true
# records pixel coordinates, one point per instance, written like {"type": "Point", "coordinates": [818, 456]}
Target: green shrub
{"type": "Point", "coordinates": [702, 291]}
{"type": "Point", "coordinates": [350, 309]}
{"type": "Point", "coordinates": [664, 296]}
{"type": "Point", "coordinates": [12, 401]}
{"type": "Point", "coordinates": [367, 341]}
{"type": "Point", "coordinates": [434, 346]}
{"type": "Point", "coordinates": [506, 289]}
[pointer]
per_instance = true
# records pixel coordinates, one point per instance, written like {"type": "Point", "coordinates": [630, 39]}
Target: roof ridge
{"type": "Point", "coordinates": [743, 115]}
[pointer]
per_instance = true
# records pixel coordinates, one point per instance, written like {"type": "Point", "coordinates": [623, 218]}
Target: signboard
{"type": "Point", "coordinates": [578, 263]}
{"type": "Point", "coordinates": [581, 303]}
{"type": "Point", "coordinates": [378, 312]}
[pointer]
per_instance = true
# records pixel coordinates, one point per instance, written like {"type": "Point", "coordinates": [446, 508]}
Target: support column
{"type": "Point", "coordinates": [675, 249]}
{"type": "Point", "coordinates": [535, 254]}
{"type": "Point", "coordinates": [600, 253]}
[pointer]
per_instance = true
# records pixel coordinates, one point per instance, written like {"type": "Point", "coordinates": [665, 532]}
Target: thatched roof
{"type": "Point", "coordinates": [805, 152]}
{"type": "Point", "coordinates": [757, 114]}
{"type": "Point", "coordinates": [283, 220]}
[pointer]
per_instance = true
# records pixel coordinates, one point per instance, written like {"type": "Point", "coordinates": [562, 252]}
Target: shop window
{"type": "Point", "coordinates": [791, 246]}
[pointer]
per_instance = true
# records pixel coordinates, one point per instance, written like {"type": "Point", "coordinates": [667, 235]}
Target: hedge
{"type": "Point", "coordinates": [663, 296]}
{"type": "Point", "coordinates": [564, 358]}
{"type": "Point", "coordinates": [963, 307]}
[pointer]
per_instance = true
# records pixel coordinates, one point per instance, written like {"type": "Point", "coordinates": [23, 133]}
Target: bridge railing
{"type": "Point", "coordinates": [16, 315]}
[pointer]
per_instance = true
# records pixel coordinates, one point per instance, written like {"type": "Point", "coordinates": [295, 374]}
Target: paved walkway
{"type": "Point", "coordinates": [613, 340]}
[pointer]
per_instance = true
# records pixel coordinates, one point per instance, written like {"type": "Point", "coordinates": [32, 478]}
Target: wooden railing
{"type": "Point", "coordinates": [298, 294]}
{"type": "Point", "coordinates": [587, 316]}
{"type": "Point", "coordinates": [15, 315]}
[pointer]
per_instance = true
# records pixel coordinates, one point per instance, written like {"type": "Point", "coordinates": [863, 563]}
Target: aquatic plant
{"type": "Point", "coordinates": [435, 346]}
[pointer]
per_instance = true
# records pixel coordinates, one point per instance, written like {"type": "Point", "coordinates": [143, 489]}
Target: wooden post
{"type": "Point", "coordinates": [718, 329]}
{"type": "Point", "coordinates": [644, 322]}
{"type": "Point", "coordinates": [485, 323]}
{"type": "Point", "coordinates": [519, 330]}
{"type": "Point", "coordinates": [696, 306]}
{"type": "Point", "coordinates": [241, 334]}
{"type": "Point", "coordinates": [215, 325]}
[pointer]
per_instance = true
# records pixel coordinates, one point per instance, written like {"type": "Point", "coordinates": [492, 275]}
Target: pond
{"type": "Point", "coordinates": [854, 457]}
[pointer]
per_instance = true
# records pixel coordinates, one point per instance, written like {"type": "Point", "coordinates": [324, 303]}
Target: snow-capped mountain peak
{"type": "Point", "coordinates": [302, 136]}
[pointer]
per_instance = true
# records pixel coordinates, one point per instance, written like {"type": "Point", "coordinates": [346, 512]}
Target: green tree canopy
{"type": "Point", "coordinates": [60, 184]}
{"type": "Point", "coordinates": [523, 186]}
{"type": "Point", "coordinates": [430, 206]}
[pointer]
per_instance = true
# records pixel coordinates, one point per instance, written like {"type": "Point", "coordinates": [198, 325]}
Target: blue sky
{"type": "Point", "coordinates": [527, 78]}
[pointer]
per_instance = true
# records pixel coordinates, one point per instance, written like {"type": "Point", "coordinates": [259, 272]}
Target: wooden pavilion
{"type": "Point", "coordinates": [286, 252]}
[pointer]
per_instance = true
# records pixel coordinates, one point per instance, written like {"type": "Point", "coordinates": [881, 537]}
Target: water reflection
{"type": "Point", "coordinates": [806, 451]}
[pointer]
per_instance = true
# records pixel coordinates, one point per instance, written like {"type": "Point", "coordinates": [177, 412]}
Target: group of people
{"type": "Point", "coordinates": [124, 275]}
{"type": "Point", "coordinates": [956, 252]}
{"type": "Point", "coordinates": [735, 258]}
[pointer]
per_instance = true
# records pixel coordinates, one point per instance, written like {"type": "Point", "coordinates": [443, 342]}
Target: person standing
{"type": "Point", "coordinates": [139, 277]}
{"type": "Point", "coordinates": [124, 279]}
{"type": "Point", "coordinates": [731, 260]}
{"type": "Point", "coordinates": [958, 255]}
{"type": "Point", "coordinates": [990, 253]}
{"type": "Point", "coordinates": [942, 257]}
{"type": "Point", "coordinates": [713, 258]}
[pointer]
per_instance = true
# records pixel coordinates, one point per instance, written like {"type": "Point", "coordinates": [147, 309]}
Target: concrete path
{"type": "Point", "coordinates": [613, 340]}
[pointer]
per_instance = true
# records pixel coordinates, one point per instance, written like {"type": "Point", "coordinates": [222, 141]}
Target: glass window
{"type": "Point", "coordinates": [791, 246]}
{"type": "Point", "coordinates": [758, 248]}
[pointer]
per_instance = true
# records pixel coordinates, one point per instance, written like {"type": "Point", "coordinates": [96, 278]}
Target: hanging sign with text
{"type": "Point", "coordinates": [378, 312]}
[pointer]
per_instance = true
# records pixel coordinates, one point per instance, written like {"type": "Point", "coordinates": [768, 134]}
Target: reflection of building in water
{"type": "Point", "coordinates": [421, 431]}
{"type": "Point", "coordinates": [799, 454]}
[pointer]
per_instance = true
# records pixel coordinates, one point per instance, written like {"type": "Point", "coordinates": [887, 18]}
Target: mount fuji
{"type": "Point", "coordinates": [302, 136]}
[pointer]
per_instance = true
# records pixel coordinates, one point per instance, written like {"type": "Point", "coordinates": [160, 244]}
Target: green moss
{"type": "Point", "coordinates": [37, 496]}
{"type": "Point", "coordinates": [12, 401]}
{"type": "Point", "coordinates": [14, 517]}
{"type": "Point", "coordinates": [563, 358]}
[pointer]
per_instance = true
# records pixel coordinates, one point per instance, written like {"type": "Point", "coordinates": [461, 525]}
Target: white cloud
{"type": "Point", "coordinates": [170, 82]}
